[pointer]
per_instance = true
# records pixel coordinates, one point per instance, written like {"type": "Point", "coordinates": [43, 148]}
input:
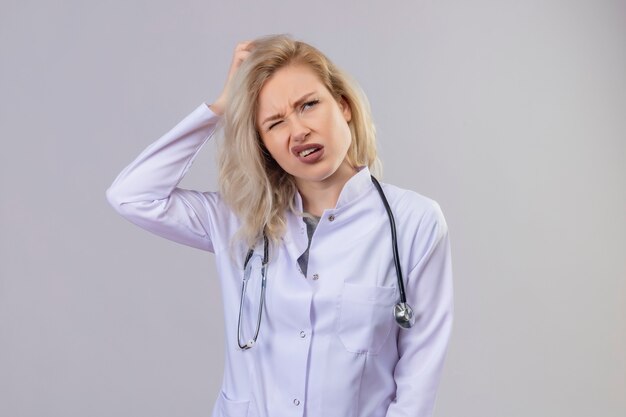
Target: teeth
{"type": "Point", "coordinates": [307, 152]}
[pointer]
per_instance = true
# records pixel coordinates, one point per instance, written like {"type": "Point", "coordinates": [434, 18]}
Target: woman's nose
{"type": "Point", "coordinates": [299, 131]}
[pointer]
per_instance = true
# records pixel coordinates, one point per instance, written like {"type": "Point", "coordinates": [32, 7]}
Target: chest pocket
{"type": "Point", "coordinates": [231, 408]}
{"type": "Point", "coordinates": [365, 317]}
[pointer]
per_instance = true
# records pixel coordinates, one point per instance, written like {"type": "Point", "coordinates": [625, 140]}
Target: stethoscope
{"type": "Point", "coordinates": [402, 311]}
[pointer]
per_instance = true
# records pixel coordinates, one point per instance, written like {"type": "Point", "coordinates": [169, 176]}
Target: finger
{"type": "Point", "coordinates": [243, 46]}
{"type": "Point", "coordinates": [242, 55]}
{"type": "Point", "coordinates": [237, 60]}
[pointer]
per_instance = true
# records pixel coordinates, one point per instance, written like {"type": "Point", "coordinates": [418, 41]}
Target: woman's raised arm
{"type": "Point", "coordinates": [146, 192]}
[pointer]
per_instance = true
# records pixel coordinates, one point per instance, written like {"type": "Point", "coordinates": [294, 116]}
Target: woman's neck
{"type": "Point", "coordinates": [318, 196]}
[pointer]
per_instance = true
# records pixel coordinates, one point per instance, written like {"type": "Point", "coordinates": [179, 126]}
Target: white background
{"type": "Point", "coordinates": [511, 114]}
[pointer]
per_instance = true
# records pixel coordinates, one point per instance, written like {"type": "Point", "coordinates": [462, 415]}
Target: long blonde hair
{"type": "Point", "coordinates": [251, 182]}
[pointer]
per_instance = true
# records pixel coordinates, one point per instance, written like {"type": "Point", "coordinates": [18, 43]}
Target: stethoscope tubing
{"type": "Point", "coordinates": [402, 311]}
{"type": "Point", "coordinates": [394, 240]}
{"type": "Point", "coordinates": [252, 341]}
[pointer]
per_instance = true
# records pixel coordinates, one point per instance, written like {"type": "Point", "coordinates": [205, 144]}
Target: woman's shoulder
{"type": "Point", "coordinates": [419, 220]}
{"type": "Point", "coordinates": [406, 202]}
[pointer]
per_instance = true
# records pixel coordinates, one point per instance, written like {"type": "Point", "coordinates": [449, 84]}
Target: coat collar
{"type": "Point", "coordinates": [353, 188]}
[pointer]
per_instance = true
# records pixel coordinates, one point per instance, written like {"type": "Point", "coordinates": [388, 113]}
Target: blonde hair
{"type": "Point", "coordinates": [251, 182]}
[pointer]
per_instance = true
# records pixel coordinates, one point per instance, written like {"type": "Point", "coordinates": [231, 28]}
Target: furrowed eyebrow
{"type": "Point", "coordinates": [295, 104]}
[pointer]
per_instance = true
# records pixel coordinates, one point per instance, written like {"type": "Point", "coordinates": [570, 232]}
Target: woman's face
{"type": "Point", "coordinates": [303, 127]}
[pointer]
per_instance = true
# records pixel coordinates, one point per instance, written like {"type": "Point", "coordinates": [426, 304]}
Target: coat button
{"type": "Point", "coordinates": [315, 277]}
{"type": "Point", "coordinates": [296, 401]}
{"type": "Point", "coordinates": [302, 334]}
{"type": "Point", "coordinates": [331, 218]}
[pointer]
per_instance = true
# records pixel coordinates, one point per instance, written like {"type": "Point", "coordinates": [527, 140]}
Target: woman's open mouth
{"type": "Point", "coordinates": [309, 153]}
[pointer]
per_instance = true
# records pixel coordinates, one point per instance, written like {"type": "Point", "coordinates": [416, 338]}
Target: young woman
{"type": "Point", "coordinates": [316, 281]}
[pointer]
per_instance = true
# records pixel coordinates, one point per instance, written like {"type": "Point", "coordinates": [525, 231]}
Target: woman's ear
{"type": "Point", "coordinates": [345, 108]}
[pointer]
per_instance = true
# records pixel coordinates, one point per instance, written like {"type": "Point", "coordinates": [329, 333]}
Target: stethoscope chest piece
{"type": "Point", "coordinates": [403, 313]}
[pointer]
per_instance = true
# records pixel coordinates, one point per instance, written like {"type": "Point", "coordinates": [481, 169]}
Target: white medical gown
{"type": "Point", "coordinates": [328, 345]}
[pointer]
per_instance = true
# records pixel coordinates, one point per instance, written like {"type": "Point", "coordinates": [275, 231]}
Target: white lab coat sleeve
{"type": "Point", "coordinates": [422, 348]}
{"type": "Point", "coordinates": [146, 192]}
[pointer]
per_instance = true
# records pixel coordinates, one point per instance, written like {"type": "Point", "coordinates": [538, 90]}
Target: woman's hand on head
{"type": "Point", "coordinates": [242, 50]}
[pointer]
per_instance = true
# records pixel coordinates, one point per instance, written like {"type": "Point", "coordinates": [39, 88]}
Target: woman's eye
{"type": "Point", "coordinates": [303, 107]}
{"type": "Point", "coordinates": [273, 124]}
{"type": "Point", "coordinates": [309, 104]}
